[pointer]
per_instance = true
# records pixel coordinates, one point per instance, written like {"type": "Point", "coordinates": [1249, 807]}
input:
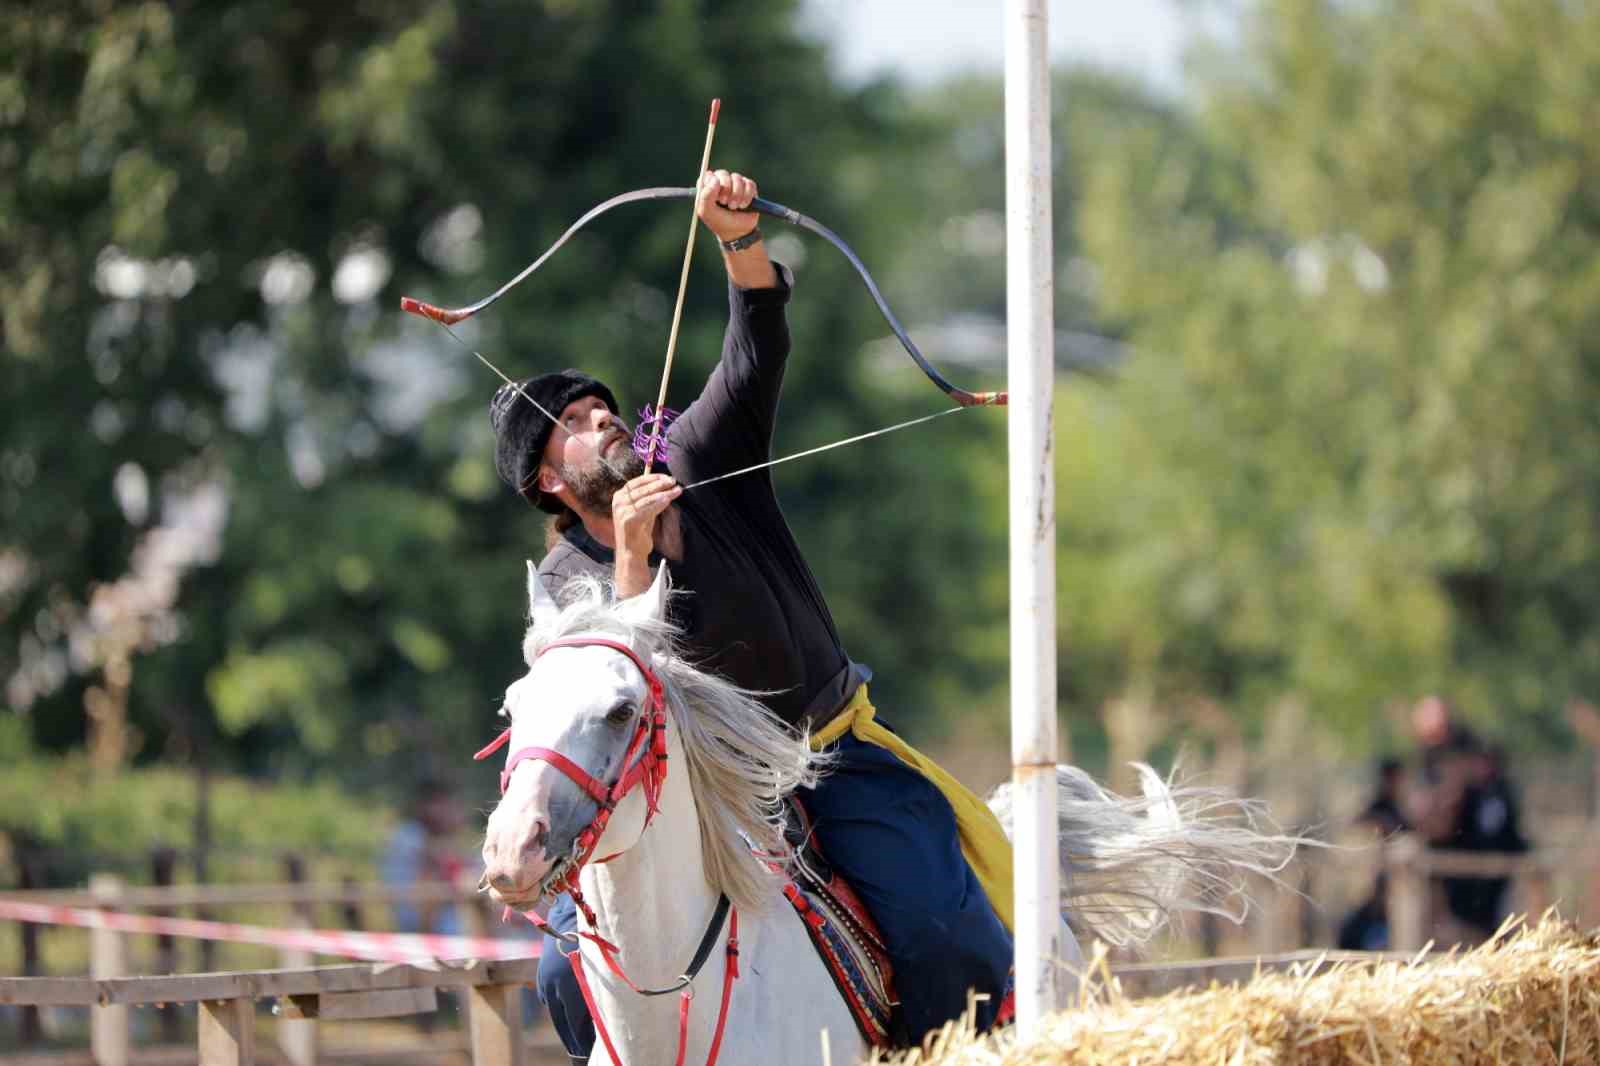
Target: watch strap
{"type": "Point", "coordinates": [739, 244]}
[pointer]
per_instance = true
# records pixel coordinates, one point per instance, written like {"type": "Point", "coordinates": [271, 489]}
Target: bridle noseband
{"type": "Point", "coordinates": [644, 763]}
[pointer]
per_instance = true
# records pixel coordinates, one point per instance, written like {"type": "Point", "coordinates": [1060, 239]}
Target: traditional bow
{"type": "Point", "coordinates": [962, 397]}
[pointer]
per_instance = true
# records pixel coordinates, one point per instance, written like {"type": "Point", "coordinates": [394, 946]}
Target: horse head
{"type": "Point", "coordinates": [587, 749]}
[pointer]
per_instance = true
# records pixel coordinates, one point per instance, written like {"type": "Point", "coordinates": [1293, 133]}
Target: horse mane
{"type": "Point", "coordinates": [742, 759]}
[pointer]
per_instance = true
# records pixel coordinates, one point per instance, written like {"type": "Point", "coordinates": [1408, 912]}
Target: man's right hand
{"type": "Point", "coordinates": [634, 510]}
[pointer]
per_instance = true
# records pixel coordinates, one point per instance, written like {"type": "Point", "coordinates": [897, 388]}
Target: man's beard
{"type": "Point", "coordinates": [598, 479]}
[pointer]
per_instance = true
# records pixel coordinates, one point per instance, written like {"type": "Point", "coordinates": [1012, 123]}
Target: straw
{"type": "Point", "coordinates": [1528, 996]}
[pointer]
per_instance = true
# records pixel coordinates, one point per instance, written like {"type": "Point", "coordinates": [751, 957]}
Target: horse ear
{"type": "Point", "coordinates": [541, 605]}
{"type": "Point", "coordinates": [651, 604]}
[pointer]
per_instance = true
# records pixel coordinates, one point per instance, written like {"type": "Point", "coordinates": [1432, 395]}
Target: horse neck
{"type": "Point", "coordinates": [655, 904]}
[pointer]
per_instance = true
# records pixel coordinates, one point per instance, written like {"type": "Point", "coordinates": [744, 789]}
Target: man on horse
{"type": "Point", "coordinates": [888, 820]}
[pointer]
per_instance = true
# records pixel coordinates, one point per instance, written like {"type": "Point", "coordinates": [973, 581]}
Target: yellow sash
{"type": "Point", "coordinates": [983, 842]}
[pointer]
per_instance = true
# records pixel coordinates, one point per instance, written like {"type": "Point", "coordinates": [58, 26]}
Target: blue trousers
{"type": "Point", "coordinates": [892, 835]}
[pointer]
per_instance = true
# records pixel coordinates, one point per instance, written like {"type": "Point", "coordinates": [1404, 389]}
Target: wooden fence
{"type": "Point", "coordinates": [1416, 910]}
{"type": "Point", "coordinates": [226, 1004]}
{"type": "Point", "coordinates": [110, 963]}
{"type": "Point", "coordinates": [225, 1001]}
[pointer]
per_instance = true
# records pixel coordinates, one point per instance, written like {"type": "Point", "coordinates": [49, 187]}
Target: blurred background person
{"type": "Point", "coordinates": [1366, 927]}
{"type": "Point", "coordinates": [423, 850]}
{"type": "Point", "coordinates": [1488, 820]}
{"type": "Point", "coordinates": [1465, 803]}
{"type": "Point", "coordinates": [1442, 738]}
{"type": "Point", "coordinates": [1385, 813]}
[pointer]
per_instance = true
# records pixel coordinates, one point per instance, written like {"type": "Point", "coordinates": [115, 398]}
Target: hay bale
{"type": "Point", "coordinates": [1528, 996]}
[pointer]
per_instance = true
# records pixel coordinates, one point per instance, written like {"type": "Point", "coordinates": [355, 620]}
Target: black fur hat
{"type": "Point", "coordinates": [521, 430]}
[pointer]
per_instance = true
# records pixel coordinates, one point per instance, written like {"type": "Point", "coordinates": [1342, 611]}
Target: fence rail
{"type": "Point", "coordinates": [1415, 871]}
{"type": "Point", "coordinates": [304, 894]}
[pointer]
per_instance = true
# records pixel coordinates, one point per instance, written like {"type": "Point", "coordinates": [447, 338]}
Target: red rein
{"type": "Point", "coordinates": [644, 762]}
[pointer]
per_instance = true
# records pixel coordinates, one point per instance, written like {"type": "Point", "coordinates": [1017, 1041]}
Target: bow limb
{"type": "Point", "coordinates": [962, 397]}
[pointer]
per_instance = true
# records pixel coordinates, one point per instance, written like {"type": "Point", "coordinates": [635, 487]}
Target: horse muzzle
{"type": "Point", "coordinates": [517, 841]}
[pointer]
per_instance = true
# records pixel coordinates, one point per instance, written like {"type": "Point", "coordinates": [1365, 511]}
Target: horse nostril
{"type": "Point", "coordinates": [503, 882]}
{"type": "Point", "coordinates": [536, 843]}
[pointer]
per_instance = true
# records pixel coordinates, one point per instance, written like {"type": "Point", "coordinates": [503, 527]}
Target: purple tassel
{"type": "Point", "coordinates": [648, 417]}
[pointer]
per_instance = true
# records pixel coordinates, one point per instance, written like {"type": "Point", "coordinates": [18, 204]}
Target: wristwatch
{"type": "Point", "coordinates": [739, 244]}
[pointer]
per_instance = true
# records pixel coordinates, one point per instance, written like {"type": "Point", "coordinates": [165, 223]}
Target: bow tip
{"type": "Point", "coordinates": [427, 310]}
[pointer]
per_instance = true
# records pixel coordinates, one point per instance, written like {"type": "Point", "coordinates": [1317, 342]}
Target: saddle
{"type": "Point", "coordinates": [844, 934]}
{"type": "Point", "coordinates": [848, 940]}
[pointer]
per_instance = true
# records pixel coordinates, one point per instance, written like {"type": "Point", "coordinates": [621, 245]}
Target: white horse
{"type": "Point", "coordinates": [1128, 864]}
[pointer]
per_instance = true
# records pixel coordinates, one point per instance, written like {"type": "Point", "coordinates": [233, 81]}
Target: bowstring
{"type": "Point", "coordinates": [732, 473]}
{"type": "Point", "coordinates": [827, 447]}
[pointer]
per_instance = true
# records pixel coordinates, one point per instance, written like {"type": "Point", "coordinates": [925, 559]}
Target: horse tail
{"type": "Point", "coordinates": [1130, 865]}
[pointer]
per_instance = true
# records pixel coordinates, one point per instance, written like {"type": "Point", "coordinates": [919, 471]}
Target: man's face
{"type": "Point", "coordinates": [590, 453]}
{"type": "Point", "coordinates": [1430, 720]}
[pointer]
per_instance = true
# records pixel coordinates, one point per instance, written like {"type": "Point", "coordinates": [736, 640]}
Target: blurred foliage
{"type": "Point", "coordinates": [1352, 459]}
{"type": "Point", "coordinates": [209, 213]}
{"type": "Point", "coordinates": [83, 821]}
{"type": "Point", "coordinates": [1333, 446]}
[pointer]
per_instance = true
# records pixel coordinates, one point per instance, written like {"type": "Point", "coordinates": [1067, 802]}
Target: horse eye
{"type": "Point", "coordinates": [621, 714]}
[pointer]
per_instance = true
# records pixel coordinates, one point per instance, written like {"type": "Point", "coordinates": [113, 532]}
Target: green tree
{"type": "Point", "coordinates": [1352, 458]}
{"type": "Point", "coordinates": [209, 215]}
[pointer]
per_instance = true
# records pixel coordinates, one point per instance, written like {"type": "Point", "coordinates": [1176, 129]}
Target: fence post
{"type": "Point", "coordinates": [163, 865]}
{"type": "Point", "coordinates": [1588, 904]}
{"type": "Point", "coordinates": [108, 957]}
{"type": "Point", "coordinates": [202, 842]}
{"type": "Point", "coordinates": [228, 1032]}
{"type": "Point", "coordinates": [350, 912]}
{"type": "Point", "coordinates": [1278, 921]}
{"type": "Point", "coordinates": [494, 1014]}
{"type": "Point", "coordinates": [297, 1037]}
{"type": "Point", "coordinates": [1408, 894]}
{"type": "Point", "coordinates": [28, 878]}
{"type": "Point", "coordinates": [1535, 891]}
{"type": "Point", "coordinates": [1306, 910]}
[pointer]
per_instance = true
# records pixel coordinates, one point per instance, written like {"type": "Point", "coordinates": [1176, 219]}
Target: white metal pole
{"type": "Point", "coordinates": [1030, 346]}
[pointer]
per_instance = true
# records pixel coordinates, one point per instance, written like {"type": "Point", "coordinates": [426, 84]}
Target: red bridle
{"type": "Point", "coordinates": [644, 763]}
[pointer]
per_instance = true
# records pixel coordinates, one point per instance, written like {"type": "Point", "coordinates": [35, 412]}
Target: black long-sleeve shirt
{"type": "Point", "coordinates": [751, 609]}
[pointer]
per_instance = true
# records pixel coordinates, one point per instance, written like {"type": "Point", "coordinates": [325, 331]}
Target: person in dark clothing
{"type": "Point", "coordinates": [1443, 739]}
{"type": "Point", "coordinates": [1386, 812]}
{"type": "Point", "coordinates": [753, 611]}
{"type": "Point", "coordinates": [1366, 928]}
{"type": "Point", "coordinates": [1489, 820]}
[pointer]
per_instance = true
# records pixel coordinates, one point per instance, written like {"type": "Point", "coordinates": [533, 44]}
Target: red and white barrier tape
{"type": "Point", "coordinates": [375, 947]}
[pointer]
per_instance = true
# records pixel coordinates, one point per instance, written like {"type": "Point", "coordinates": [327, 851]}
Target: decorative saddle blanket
{"type": "Point", "coordinates": [847, 939]}
{"type": "Point", "coordinates": [844, 934]}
